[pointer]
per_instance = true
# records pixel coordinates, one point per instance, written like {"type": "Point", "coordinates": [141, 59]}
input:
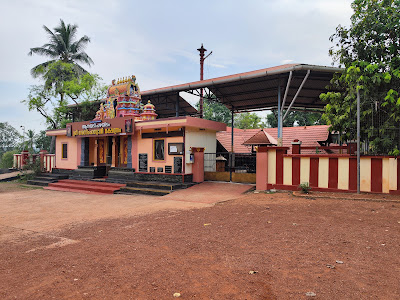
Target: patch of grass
{"type": "Point", "coordinates": [15, 185]}
{"type": "Point", "coordinates": [304, 187]}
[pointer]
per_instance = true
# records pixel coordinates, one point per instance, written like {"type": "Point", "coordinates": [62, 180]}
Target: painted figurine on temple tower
{"type": "Point", "coordinates": [124, 99]}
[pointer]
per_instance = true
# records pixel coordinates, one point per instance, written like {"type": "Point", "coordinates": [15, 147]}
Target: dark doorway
{"type": "Point", "coordinates": [109, 150]}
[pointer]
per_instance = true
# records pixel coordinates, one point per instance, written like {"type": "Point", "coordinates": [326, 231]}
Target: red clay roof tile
{"type": "Point", "coordinates": [308, 135]}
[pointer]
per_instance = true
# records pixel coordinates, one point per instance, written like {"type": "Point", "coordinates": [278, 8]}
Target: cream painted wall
{"type": "Point", "coordinates": [365, 174]}
{"type": "Point", "coordinates": [305, 169]}
{"type": "Point", "coordinates": [343, 173]}
{"type": "Point", "coordinates": [323, 172]}
{"type": "Point", "coordinates": [385, 175]}
{"type": "Point", "coordinates": [194, 137]}
{"type": "Point", "coordinates": [72, 160]}
{"type": "Point", "coordinates": [272, 166]}
{"type": "Point", "coordinates": [393, 174]}
{"type": "Point", "coordinates": [287, 170]}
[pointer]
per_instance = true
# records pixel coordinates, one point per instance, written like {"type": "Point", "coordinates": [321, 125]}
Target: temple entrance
{"type": "Point", "coordinates": [111, 152]}
{"type": "Point", "coordinates": [101, 152]}
{"type": "Point", "coordinates": [121, 158]}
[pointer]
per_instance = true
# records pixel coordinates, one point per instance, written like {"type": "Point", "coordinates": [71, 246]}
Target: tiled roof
{"type": "Point", "coordinates": [308, 135]}
{"type": "Point", "coordinates": [260, 138]}
{"type": "Point", "coordinates": [240, 136]}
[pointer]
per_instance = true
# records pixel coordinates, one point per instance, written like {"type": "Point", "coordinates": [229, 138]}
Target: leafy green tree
{"type": "Point", "coordinates": [64, 80]}
{"type": "Point", "coordinates": [52, 100]}
{"type": "Point", "coordinates": [248, 120]}
{"type": "Point", "coordinates": [215, 111]}
{"type": "Point", "coordinates": [295, 118]}
{"type": "Point", "coordinates": [30, 135]}
{"type": "Point", "coordinates": [7, 159]}
{"type": "Point", "coordinates": [90, 101]}
{"type": "Point", "coordinates": [42, 141]}
{"type": "Point", "coordinates": [9, 138]}
{"type": "Point", "coordinates": [370, 52]}
{"type": "Point", "coordinates": [63, 46]}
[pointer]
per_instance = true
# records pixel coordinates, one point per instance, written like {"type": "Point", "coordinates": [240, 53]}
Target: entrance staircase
{"type": "Point", "coordinates": [85, 187]}
{"type": "Point", "coordinates": [44, 179]}
{"type": "Point", "coordinates": [122, 181]}
{"type": "Point", "coordinates": [157, 188]}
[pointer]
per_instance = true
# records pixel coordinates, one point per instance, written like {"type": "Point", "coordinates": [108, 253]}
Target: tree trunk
{"type": "Point", "coordinates": [52, 144]}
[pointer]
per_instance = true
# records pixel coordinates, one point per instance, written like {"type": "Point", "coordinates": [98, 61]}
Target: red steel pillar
{"type": "Point", "coordinates": [198, 164]}
{"type": "Point", "coordinates": [262, 168]}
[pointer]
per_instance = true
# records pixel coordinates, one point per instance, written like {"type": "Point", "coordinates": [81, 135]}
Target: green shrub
{"type": "Point", "coordinates": [31, 170]}
{"type": "Point", "coordinates": [304, 187]}
{"type": "Point", "coordinates": [7, 159]}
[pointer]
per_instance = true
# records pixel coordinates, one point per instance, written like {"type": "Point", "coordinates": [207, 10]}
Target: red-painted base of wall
{"type": "Point", "coordinates": [316, 189]}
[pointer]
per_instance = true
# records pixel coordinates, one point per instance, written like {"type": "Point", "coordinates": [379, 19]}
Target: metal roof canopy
{"type": "Point", "coordinates": [166, 106]}
{"type": "Point", "coordinates": [171, 106]}
{"type": "Point", "coordinates": [260, 89]}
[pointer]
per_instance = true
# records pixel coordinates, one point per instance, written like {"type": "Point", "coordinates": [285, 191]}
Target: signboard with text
{"type": "Point", "coordinates": [107, 127]}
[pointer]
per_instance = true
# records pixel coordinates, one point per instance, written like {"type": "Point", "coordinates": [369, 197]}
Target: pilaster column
{"type": "Point", "coordinates": [262, 168]}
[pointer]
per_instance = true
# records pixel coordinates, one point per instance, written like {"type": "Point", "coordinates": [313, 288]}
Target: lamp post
{"type": "Point", "coordinates": [202, 50]}
{"type": "Point", "coordinates": [23, 136]}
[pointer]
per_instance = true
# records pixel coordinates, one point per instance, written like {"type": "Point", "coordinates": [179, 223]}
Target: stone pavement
{"type": "Point", "coordinates": [10, 176]}
{"type": "Point", "coordinates": [210, 192]}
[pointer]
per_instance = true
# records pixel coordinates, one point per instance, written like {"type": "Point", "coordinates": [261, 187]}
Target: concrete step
{"type": "Point", "coordinates": [61, 189]}
{"type": "Point", "coordinates": [39, 182]}
{"type": "Point", "coordinates": [142, 190]}
{"type": "Point", "coordinates": [88, 186]}
{"type": "Point", "coordinates": [93, 183]}
{"type": "Point", "coordinates": [57, 176]}
{"type": "Point", "coordinates": [154, 185]}
{"type": "Point", "coordinates": [45, 178]}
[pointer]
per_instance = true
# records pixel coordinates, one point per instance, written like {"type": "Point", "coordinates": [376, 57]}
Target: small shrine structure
{"type": "Point", "coordinates": [126, 138]}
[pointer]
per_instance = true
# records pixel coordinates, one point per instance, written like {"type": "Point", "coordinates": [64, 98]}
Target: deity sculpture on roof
{"type": "Point", "coordinates": [124, 99]}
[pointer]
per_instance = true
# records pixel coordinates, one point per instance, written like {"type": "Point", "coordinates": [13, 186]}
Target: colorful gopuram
{"type": "Point", "coordinates": [124, 100]}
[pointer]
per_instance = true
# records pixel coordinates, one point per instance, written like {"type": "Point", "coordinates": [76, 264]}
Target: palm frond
{"type": "Point", "coordinates": [43, 51]}
{"type": "Point", "coordinates": [82, 57]}
{"type": "Point", "coordinates": [40, 69]}
{"type": "Point", "coordinates": [80, 45]}
{"type": "Point", "coordinates": [51, 34]}
{"type": "Point", "coordinates": [63, 46]}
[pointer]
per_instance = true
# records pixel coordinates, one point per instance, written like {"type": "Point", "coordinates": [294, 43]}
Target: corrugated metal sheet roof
{"type": "Point", "coordinates": [259, 89]}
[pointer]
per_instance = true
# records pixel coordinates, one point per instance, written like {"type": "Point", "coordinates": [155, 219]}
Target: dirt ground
{"type": "Point", "coordinates": [257, 246]}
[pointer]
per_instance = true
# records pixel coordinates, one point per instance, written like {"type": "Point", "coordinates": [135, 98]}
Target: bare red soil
{"type": "Point", "coordinates": [336, 249]}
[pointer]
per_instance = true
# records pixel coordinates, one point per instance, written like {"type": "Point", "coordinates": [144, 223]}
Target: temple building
{"type": "Point", "coordinates": [125, 137]}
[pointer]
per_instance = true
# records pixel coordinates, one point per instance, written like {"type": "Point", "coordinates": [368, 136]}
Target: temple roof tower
{"type": "Point", "coordinates": [149, 112]}
{"type": "Point", "coordinates": [124, 100]}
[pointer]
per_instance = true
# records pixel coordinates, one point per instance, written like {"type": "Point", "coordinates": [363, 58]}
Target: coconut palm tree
{"type": "Point", "coordinates": [63, 47]}
{"type": "Point", "coordinates": [31, 140]}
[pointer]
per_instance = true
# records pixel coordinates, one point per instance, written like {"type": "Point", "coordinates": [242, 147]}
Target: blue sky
{"type": "Point", "coordinates": [157, 40]}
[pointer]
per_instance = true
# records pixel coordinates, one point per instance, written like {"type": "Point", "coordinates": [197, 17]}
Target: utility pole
{"type": "Point", "coordinates": [202, 50]}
